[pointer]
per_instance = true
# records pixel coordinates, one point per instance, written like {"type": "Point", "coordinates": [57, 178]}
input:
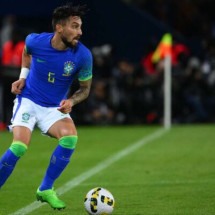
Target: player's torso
{"type": "Point", "coordinates": [54, 67]}
{"type": "Point", "coordinates": [52, 72]}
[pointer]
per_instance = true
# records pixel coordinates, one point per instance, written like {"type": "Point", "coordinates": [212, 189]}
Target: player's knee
{"type": "Point", "coordinates": [69, 141]}
{"type": "Point", "coordinates": [18, 148]}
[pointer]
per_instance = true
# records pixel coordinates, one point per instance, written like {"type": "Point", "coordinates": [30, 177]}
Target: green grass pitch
{"type": "Point", "coordinates": [171, 175]}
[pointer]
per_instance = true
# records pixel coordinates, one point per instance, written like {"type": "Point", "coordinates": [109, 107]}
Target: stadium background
{"type": "Point", "coordinates": [127, 87]}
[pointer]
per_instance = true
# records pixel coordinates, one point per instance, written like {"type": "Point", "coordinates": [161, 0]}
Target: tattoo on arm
{"type": "Point", "coordinates": [82, 93]}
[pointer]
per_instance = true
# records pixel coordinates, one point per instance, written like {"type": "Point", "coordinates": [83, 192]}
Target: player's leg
{"type": "Point", "coordinates": [65, 131]}
{"type": "Point", "coordinates": [23, 122]}
{"type": "Point", "coordinates": [21, 139]}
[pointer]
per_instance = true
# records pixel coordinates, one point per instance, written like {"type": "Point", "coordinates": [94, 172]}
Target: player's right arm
{"type": "Point", "coordinates": [26, 59]}
{"type": "Point", "coordinates": [18, 85]}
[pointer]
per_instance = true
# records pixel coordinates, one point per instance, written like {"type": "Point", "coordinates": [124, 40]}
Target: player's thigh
{"type": "Point", "coordinates": [21, 133]}
{"type": "Point", "coordinates": [63, 127]}
{"type": "Point", "coordinates": [54, 123]}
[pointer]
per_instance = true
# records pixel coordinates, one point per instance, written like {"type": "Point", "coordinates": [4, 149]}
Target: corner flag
{"type": "Point", "coordinates": [163, 49]}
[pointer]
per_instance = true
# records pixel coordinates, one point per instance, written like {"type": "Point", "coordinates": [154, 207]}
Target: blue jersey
{"type": "Point", "coordinates": [52, 71]}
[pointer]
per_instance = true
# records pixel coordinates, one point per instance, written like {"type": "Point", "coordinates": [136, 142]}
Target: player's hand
{"type": "Point", "coordinates": [65, 106]}
{"type": "Point", "coordinates": [17, 86]}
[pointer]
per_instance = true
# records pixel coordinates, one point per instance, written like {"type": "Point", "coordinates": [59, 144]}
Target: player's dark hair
{"type": "Point", "coordinates": [62, 13]}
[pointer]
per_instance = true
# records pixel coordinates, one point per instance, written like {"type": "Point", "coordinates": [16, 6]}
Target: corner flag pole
{"type": "Point", "coordinates": [163, 51]}
{"type": "Point", "coordinates": [167, 92]}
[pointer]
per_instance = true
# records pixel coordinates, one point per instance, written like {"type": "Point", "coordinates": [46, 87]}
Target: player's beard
{"type": "Point", "coordinates": [67, 43]}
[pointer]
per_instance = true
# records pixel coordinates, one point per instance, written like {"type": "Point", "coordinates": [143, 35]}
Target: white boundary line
{"type": "Point", "coordinates": [91, 172]}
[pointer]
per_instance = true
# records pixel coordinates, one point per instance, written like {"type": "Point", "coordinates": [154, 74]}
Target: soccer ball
{"type": "Point", "coordinates": [99, 201]}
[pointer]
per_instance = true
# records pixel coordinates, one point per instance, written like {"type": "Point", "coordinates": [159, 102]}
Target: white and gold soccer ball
{"type": "Point", "coordinates": [99, 201]}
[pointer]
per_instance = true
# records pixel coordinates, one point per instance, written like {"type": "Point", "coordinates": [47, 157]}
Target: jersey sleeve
{"type": "Point", "coordinates": [29, 43]}
{"type": "Point", "coordinates": [85, 72]}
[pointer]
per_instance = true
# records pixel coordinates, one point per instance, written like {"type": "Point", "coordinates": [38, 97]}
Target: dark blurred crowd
{"type": "Point", "coordinates": [11, 46]}
{"type": "Point", "coordinates": [191, 18]}
{"type": "Point", "coordinates": [128, 93]}
{"type": "Point", "coordinates": [125, 92]}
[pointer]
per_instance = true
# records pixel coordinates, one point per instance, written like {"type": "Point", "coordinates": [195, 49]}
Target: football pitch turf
{"type": "Point", "coordinates": [149, 171]}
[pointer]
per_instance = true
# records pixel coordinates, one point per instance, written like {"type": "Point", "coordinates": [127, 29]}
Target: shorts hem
{"type": "Point", "coordinates": [48, 127]}
{"type": "Point", "coordinates": [10, 127]}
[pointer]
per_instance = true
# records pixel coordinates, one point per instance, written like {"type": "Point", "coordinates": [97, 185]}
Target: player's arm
{"type": "Point", "coordinates": [26, 59]}
{"type": "Point", "coordinates": [82, 93]}
{"type": "Point", "coordinates": [78, 96]}
{"type": "Point", "coordinates": [17, 86]}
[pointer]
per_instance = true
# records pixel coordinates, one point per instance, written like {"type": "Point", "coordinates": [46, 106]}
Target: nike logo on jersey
{"type": "Point", "coordinates": [40, 61]}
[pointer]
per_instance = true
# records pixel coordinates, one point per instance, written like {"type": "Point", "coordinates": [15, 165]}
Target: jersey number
{"type": "Point", "coordinates": [51, 77]}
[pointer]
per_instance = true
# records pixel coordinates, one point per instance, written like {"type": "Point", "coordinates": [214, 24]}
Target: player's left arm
{"type": "Point", "coordinates": [78, 96]}
{"type": "Point", "coordinates": [82, 93]}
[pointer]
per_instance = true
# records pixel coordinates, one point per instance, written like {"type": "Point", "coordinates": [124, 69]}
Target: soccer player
{"type": "Point", "coordinates": [50, 62]}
